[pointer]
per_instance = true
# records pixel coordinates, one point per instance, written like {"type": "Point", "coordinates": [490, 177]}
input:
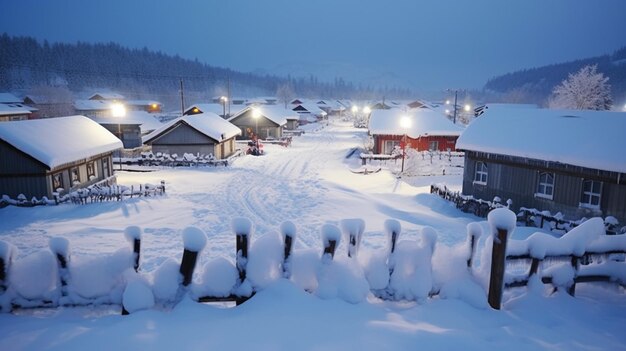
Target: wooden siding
{"type": "Point", "coordinates": [182, 134]}
{"type": "Point", "coordinates": [519, 182]}
{"type": "Point", "coordinates": [131, 134]}
{"type": "Point", "coordinates": [420, 144]}
{"type": "Point", "coordinates": [266, 128]}
{"type": "Point", "coordinates": [15, 162]}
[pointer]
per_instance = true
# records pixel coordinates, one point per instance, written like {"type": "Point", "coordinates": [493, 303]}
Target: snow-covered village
{"type": "Point", "coordinates": [274, 176]}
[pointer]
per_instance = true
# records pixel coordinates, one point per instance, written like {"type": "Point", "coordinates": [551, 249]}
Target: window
{"type": "Point", "coordinates": [57, 181]}
{"type": "Point", "coordinates": [433, 145]}
{"type": "Point", "coordinates": [105, 167]}
{"type": "Point", "coordinates": [480, 176]}
{"type": "Point", "coordinates": [74, 176]}
{"type": "Point", "coordinates": [91, 170]}
{"type": "Point", "coordinates": [592, 190]}
{"type": "Point", "coordinates": [390, 146]}
{"type": "Point", "coordinates": [545, 185]}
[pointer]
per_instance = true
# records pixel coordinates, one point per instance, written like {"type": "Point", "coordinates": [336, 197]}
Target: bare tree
{"type": "Point", "coordinates": [583, 90]}
{"type": "Point", "coordinates": [285, 93]}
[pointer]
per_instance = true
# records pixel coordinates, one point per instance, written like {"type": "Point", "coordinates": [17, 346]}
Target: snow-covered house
{"type": "Point", "coordinates": [131, 127]}
{"type": "Point", "coordinates": [49, 105]}
{"type": "Point", "coordinates": [13, 109]}
{"type": "Point", "coordinates": [204, 134]}
{"type": "Point", "coordinates": [196, 109]}
{"type": "Point", "coordinates": [426, 130]}
{"type": "Point", "coordinates": [43, 155]}
{"type": "Point", "coordinates": [264, 121]}
{"type": "Point", "coordinates": [565, 161]}
{"type": "Point", "coordinates": [107, 96]}
{"type": "Point", "coordinates": [308, 112]}
{"type": "Point", "coordinates": [93, 108]}
{"type": "Point", "coordinates": [150, 106]}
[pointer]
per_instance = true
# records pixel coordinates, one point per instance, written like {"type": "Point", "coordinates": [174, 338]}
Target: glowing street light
{"type": "Point", "coordinates": [355, 109]}
{"type": "Point", "coordinates": [367, 110]}
{"type": "Point", "coordinates": [119, 111]}
{"type": "Point", "coordinates": [405, 124]}
{"type": "Point", "coordinates": [467, 108]}
{"type": "Point", "coordinates": [448, 102]}
{"type": "Point", "coordinates": [224, 100]}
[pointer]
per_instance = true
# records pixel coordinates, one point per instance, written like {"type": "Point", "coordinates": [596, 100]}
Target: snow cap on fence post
{"type": "Point", "coordinates": [393, 228]}
{"type": "Point", "coordinates": [331, 236]}
{"type": "Point", "coordinates": [502, 222]}
{"type": "Point", "coordinates": [353, 228]}
{"type": "Point", "coordinates": [133, 235]}
{"type": "Point", "coordinates": [288, 232]}
{"type": "Point", "coordinates": [194, 240]}
{"type": "Point", "coordinates": [60, 247]}
{"type": "Point", "coordinates": [474, 231]}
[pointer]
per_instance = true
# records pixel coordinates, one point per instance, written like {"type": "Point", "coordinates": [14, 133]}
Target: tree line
{"type": "Point", "coordinates": [26, 63]}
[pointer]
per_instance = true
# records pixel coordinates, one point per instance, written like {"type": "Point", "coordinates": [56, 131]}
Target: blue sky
{"type": "Point", "coordinates": [429, 45]}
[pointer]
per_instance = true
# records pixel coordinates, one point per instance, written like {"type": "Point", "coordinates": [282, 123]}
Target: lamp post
{"type": "Point", "coordinates": [256, 114]}
{"type": "Point", "coordinates": [224, 99]}
{"type": "Point", "coordinates": [405, 124]}
{"type": "Point", "coordinates": [355, 109]}
{"type": "Point", "coordinates": [119, 111]}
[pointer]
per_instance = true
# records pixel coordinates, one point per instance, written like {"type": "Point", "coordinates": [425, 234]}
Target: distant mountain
{"type": "Point", "coordinates": [26, 63]}
{"type": "Point", "coordinates": [535, 85]}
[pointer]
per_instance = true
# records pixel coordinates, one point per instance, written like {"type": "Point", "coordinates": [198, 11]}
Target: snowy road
{"type": "Point", "coordinates": [308, 183]}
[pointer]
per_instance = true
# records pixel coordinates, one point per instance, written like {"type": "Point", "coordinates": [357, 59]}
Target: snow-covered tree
{"type": "Point", "coordinates": [586, 89]}
{"type": "Point", "coordinates": [285, 93]}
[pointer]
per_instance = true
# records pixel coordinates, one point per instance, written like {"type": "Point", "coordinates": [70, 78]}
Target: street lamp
{"type": "Point", "coordinates": [467, 107]}
{"type": "Point", "coordinates": [405, 124]}
{"type": "Point", "coordinates": [224, 99]}
{"type": "Point", "coordinates": [355, 109]}
{"type": "Point", "coordinates": [256, 114]}
{"type": "Point", "coordinates": [119, 111]}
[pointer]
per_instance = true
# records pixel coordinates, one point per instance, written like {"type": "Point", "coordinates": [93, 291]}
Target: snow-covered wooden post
{"type": "Point", "coordinates": [242, 228]}
{"type": "Point", "coordinates": [502, 222]}
{"type": "Point", "coordinates": [60, 248]}
{"type": "Point", "coordinates": [474, 231]}
{"type": "Point", "coordinates": [288, 231]}
{"type": "Point", "coordinates": [353, 229]}
{"type": "Point", "coordinates": [6, 257]}
{"type": "Point", "coordinates": [133, 235]}
{"type": "Point", "coordinates": [194, 241]}
{"type": "Point", "coordinates": [331, 236]}
{"type": "Point", "coordinates": [393, 230]}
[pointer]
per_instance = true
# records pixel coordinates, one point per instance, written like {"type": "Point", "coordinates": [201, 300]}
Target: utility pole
{"type": "Point", "coordinates": [182, 98]}
{"type": "Point", "coordinates": [230, 98]}
{"type": "Point", "coordinates": [456, 92]}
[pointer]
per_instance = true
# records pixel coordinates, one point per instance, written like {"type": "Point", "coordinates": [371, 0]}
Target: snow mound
{"type": "Point", "coordinates": [242, 226]}
{"type": "Point", "coordinates": [194, 239]}
{"type": "Point", "coordinates": [265, 260]}
{"type": "Point", "coordinates": [288, 229]}
{"type": "Point", "coordinates": [59, 246]}
{"type": "Point", "coordinates": [218, 278]}
{"type": "Point", "coordinates": [35, 276]}
{"type": "Point", "coordinates": [166, 280]}
{"type": "Point", "coordinates": [132, 233]}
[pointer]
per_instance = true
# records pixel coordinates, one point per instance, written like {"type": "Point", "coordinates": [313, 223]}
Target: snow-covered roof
{"type": "Point", "coordinates": [209, 124]}
{"type": "Point", "coordinates": [423, 122]}
{"type": "Point", "coordinates": [274, 113]}
{"type": "Point", "coordinates": [56, 141]}
{"type": "Point", "coordinates": [92, 105]}
{"type": "Point", "coordinates": [218, 109]}
{"type": "Point", "coordinates": [312, 108]}
{"type": "Point", "coordinates": [107, 96]}
{"type": "Point", "coordinates": [142, 103]}
{"type": "Point", "coordinates": [592, 139]}
{"type": "Point", "coordinates": [13, 109]}
{"type": "Point", "coordinates": [7, 98]}
{"type": "Point", "coordinates": [146, 120]}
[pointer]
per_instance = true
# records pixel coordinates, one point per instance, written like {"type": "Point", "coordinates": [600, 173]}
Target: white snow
{"type": "Point", "coordinates": [310, 184]}
{"type": "Point", "coordinates": [56, 141]}
{"type": "Point", "coordinates": [330, 232]}
{"type": "Point", "coordinates": [60, 246]}
{"type": "Point", "coordinates": [132, 233]}
{"type": "Point", "coordinates": [241, 226]}
{"type": "Point", "coordinates": [194, 239]}
{"type": "Point", "coordinates": [423, 122]}
{"type": "Point", "coordinates": [288, 229]}
{"type": "Point", "coordinates": [565, 136]}
{"type": "Point", "coordinates": [138, 294]}
{"type": "Point", "coordinates": [502, 218]}
{"type": "Point", "coordinates": [39, 275]}
{"type": "Point", "coordinates": [265, 260]}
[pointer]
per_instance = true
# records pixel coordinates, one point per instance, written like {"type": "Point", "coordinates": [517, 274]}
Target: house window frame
{"type": "Point", "coordinates": [57, 181]}
{"type": "Point", "coordinates": [389, 145]}
{"type": "Point", "coordinates": [91, 169]}
{"type": "Point", "coordinates": [481, 171]}
{"type": "Point", "coordinates": [590, 194]}
{"type": "Point", "coordinates": [545, 185]}
{"type": "Point", "coordinates": [435, 143]}
{"type": "Point", "coordinates": [74, 171]}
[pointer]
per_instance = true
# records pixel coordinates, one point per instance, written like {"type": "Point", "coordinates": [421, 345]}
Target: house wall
{"type": "Point", "coordinates": [131, 134]}
{"type": "Point", "coordinates": [184, 139]}
{"type": "Point", "coordinates": [292, 124]}
{"type": "Point", "coordinates": [249, 125]}
{"type": "Point", "coordinates": [518, 181]}
{"type": "Point", "coordinates": [8, 118]}
{"type": "Point", "coordinates": [420, 144]}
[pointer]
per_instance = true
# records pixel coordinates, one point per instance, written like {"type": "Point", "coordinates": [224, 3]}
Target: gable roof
{"type": "Point", "coordinates": [274, 113]}
{"type": "Point", "coordinates": [106, 96]}
{"type": "Point", "coordinates": [146, 120]}
{"type": "Point", "coordinates": [592, 139]}
{"type": "Point", "coordinates": [14, 109]}
{"type": "Point", "coordinates": [218, 109]}
{"type": "Point", "coordinates": [209, 124]}
{"type": "Point", "coordinates": [8, 98]}
{"type": "Point", "coordinates": [56, 141]}
{"type": "Point", "coordinates": [423, 122]}
{"type": "Point", "coordinates": [92, 105]}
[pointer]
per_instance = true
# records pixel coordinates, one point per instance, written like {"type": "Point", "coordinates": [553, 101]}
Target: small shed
{"type": "Point", "coordinates": [265, 121]}
{"type": "Point", "coordinates": [42, 156]}
{"type": "Point", "coordinates": [204, 134]}
{"type": "Point", "coordinates": [566, 161]}
{"type": "Point", "coordinates": [428, 130]}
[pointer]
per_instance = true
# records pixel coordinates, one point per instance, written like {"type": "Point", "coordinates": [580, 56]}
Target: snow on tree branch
{"type": "Point", "coordinates": [586, 89]}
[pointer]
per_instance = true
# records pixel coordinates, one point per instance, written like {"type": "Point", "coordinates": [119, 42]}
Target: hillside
{"type": "Point", "coordinates": [535, 85]}
{"type": "Point", "coordinates": [137, 73]}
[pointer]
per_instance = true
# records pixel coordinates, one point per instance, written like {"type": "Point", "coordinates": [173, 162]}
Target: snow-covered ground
{"type": "Point", "coordinates": [309, 183]}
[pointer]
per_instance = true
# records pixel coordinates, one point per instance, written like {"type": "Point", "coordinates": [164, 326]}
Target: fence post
{"type": "Point", "coordinates": [502, 222]}
{"type": "Point", "coordinates": [6, 257]}
{"type": "Point", "coordinates": [474, 231]}
{"type": "Point", "coordinates": [353, 229]}
{"type": "Point", "coordinates": [133, 235]}
{"type": "Point", "coordinates": [163, 186]}
{"type": "Point", "coordinates": [576, 265]}
{"type": "Point", "coordinates": [288, 231]}
{"type": "Point", "coordinates": [194, 241]}
{"type": "Point", "coordinates": [242, 228]}
{"type": "Point", "coordinates": [60, 247]}
{"type": "Point", "coordinates": [331, 236]}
